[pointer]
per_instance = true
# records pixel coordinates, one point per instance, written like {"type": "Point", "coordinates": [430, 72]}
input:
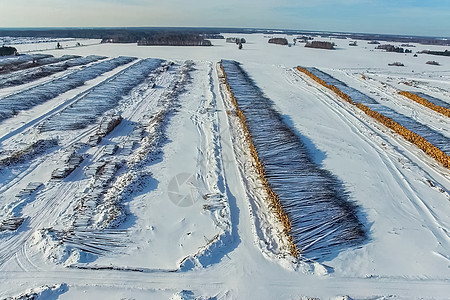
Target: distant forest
{"type": "Point", "coordinates": [142, 36]}
{"type": "Point", "coordinates": [441, 53]}
{"type": "Point", "coordinates": [135, 34]}
{"type": "Point", "coordinates": [174, 39]}
{"type": "Point", "coordinates": [392, 48]}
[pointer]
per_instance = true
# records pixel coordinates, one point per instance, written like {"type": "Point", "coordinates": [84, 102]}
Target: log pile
{"type": "Point", "coordinates": [329, 86]}
{"type": "Point", "coordinates": [73, 161]}
{"type": "Point", "coordinates": [410, 136]}
{"type": "Point", "coordinates": [11, 224]}
{"type": "Point", "coordinates": [426, 103]}
{"type": "Point", "coordinates": [278, 41]}
{"type": "Point", "coordinates": [274, 201]}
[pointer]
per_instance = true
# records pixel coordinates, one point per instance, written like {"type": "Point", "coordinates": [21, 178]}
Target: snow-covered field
{"type": "Point", "coordinates": [30, 44]}
{"type": "Point", "coordinates": [128, 175]}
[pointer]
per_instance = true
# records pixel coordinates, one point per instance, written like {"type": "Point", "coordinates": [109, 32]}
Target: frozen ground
{"type": "Point", "coordinates": [164, 202]}
{"type": "Point", "coordinates": [31, 44]}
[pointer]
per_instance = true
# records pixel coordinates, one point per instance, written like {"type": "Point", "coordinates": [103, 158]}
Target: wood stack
{"type": "Point", "coordinates": [329, 86]}
{"type": "Point", "coordinates": [410, 136]}
{"type": "Point", "coordinates": [11, 224]}
{"type": "Point", "coordinates": [425, 102]}
{"type": "Point", "coordinates": [274, 201]}
{"type": "Point", "coordinates": [73, 161]}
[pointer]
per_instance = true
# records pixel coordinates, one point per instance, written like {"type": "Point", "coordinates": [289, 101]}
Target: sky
{"type": "Point", "coordinates": [411, 17]}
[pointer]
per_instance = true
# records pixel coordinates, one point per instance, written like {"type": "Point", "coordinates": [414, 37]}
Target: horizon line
{"type": "Point", "coordinates": [218, 27]}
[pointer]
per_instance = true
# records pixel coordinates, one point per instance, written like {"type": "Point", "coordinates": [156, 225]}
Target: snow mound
{"type": "Point", "coordinates": [43, 292]}
{"type": "Point", "coordinates": [189, 295]}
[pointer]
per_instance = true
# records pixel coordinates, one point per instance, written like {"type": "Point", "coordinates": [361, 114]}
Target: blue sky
{"type": "Point", "coordinates": [426, 17]}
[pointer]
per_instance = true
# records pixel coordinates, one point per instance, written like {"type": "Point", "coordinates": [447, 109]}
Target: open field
{"type": "Point", "coordinates": [160, 172]}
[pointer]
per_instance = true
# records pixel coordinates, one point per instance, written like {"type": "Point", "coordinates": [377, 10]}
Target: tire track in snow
{"type": "Point", "coordinates": [34, 121]}
{"type": "Point", "coordinates": [367, 134]}
{"type": "Point", "coordinates": [230, 271]}
{"type": "Point", "coordinates": [212, 282]}
{"type": "Point", "coordinates": [48, 208]}
{"type": "Point", "coordinates": [418, 112]}
{"type": "Point", "coordinates": [211, 179]}
{"type": "Point", "coordinates": [39, 120]}
{"type": "Point", "coordinates": [59, 197]}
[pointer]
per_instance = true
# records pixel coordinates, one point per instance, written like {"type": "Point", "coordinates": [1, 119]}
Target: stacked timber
{"type": "Point", "coordinates": [274, 201]}
{"type": "Point", "coordinates": [442, 110]}
{"type": "Point", "coordinates": [410, 136]}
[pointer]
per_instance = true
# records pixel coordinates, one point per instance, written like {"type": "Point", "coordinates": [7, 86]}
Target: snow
{"type": "Point", "coordinates": [31, 44]}
{"type": "Point", "coordinates": [27, 99]}
{"type": "Point", "coordinates": [180, 215]}
{"type": "Point", "coordinates": [48, 67]}
{"type": "Point", "coordinates": [433, 136]}
{"type": "Point", "coordinates": [321, 216]}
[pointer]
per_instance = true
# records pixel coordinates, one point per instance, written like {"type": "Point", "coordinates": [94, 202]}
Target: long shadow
{"type": "Point", "coordinates": [433, 100]}
{"type": "Point", "coordinates": [45, 68]}
{"type": "Point", "coordinates": [105, 96]}
{"type": "Point", "coordinates": [316, 154]}
{"type": "Point", "coordinates": [318, 157]}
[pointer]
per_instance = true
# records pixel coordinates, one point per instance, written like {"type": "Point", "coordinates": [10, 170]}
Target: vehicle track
{"type": "Point", "coordinates": [417, 112]}
{"type": "Point", "coordinates": [56, 198]}
{"type": "Point", "coordinates": [364, 130]}
{"type": "Point", "coordinates": [246, 259]}
{"type": "Point", "coordinates": [428, 166]}
{"type": "Point", "coordinates": [34, 121]}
